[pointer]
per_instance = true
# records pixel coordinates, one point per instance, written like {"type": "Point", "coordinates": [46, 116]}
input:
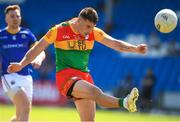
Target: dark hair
{"type": "Point", "coordinates": [11, 7]}
{"type": "Point", "coordinates": [90, 14]}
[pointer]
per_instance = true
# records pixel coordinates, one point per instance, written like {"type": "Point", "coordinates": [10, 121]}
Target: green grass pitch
{"type": "Point", "coordinates": [69, 114]}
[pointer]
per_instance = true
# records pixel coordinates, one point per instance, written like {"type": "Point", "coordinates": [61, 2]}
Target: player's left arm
{"type": "Point", "coordinates": [36, 63]}
{"type": "Point", "coordinates": [123, 46]}
{"type": "Point", "coordinates": [116, 44]}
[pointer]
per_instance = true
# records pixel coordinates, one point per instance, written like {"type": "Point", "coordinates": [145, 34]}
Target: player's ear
{"type": "Point", "coordinates": [79, 20]}
{"type": "Point", "coordinates": [6, 20]}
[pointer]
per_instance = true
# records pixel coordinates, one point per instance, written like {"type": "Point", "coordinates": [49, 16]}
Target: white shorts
{"type": "Point", "coordinates": [13, 82]}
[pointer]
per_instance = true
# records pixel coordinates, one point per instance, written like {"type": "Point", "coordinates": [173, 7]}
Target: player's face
{"type": "Point", "coordinates": [85, 26]}
{"type": "Point", "coordinates": [13, 19]}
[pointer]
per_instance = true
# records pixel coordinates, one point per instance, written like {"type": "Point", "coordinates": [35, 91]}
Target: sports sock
{"type": "Point", "coordinates": [121, 102]}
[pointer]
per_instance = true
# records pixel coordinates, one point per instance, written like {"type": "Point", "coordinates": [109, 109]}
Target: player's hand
{"type": "Point", "coordinates": [36, 64]}
{"type": "Point", "coordinates": [142, 48]}
{"type": "Point", "coordinates": [14, 67]}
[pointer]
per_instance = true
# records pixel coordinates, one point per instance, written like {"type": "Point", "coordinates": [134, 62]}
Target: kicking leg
{"type": "Point", "coordinates": [83, 89]}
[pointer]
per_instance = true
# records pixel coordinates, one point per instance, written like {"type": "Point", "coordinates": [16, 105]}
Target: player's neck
{"type": "Point", "coordinates": [74, 26]}
{"type": "Point", "coordinates": [13, 30]}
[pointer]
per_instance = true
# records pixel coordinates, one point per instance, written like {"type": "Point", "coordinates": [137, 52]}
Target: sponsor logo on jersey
{"type": "Point", "coordinates": [3, 37]}
{"type": "Point", "coordinates": [66, 37]}
{"type": "Point", "coordinates": [12, 46]}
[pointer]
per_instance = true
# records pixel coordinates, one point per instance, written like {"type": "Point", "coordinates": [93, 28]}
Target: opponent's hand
{"type": "Point", "coordinates": [14, 67]}
{"type": "Point", "coordinates": [36, 64]}
{"type": "Point", "coordinates": [142, 48]}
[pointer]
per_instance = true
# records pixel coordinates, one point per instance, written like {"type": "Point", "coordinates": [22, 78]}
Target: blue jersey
{"type": "Point", "coordinates": [13, 47]}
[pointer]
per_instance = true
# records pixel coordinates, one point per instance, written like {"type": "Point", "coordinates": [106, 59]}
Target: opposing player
{"type": "Point", "coordinates": [15, 41]}
{"type": "Point", "coordinates": [73, 41]}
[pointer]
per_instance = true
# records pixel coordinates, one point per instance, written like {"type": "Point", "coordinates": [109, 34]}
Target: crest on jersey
{"type": "Point", "coordinates": [23, 36]}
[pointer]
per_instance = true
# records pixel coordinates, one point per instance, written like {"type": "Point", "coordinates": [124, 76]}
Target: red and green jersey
{"type": "Point", "coordinates": [72, 49]}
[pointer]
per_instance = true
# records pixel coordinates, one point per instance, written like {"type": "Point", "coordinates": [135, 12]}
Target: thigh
{"type": "Point", "coordinates": [14, 82]}
{"type": "Point", "coordinates": [86, 109]}
{"type": "Point", "coordinates": [67, 77]}
{"type": "Point", "coordinates": [84, 89]}
{"type": "Point", "coordinates": [21, 98]}
{"type": "Point", "coordinates": [21, 101]}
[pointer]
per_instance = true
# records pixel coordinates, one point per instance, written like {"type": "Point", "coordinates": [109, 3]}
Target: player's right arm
{"type": "Point", "coordinates": [48, 39]}
{"type": "Point", "coordinates": [29, 57]}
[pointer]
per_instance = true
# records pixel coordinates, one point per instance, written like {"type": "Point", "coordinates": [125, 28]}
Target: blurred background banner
{"type": "Point", "coordinates": [156, 74]}
{"type": "Point", "coordinates": [7, 2]}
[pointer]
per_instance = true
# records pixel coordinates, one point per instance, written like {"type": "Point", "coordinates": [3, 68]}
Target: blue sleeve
{"type": "Point", "coordinates": [32, 38]}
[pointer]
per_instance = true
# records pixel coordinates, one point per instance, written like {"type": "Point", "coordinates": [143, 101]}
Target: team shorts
{"type": "Point", "coordinates": [14, 82]}
{"type": "Point", "coordinates": [66, 79]}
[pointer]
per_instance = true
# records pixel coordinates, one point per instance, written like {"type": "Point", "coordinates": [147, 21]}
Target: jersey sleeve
{"type": "Point", "coordinates": [99, 34]}
{"type": "Point", "coordinates": [50, 36]}
{"type": "Point", "coordinates": [33, 39]}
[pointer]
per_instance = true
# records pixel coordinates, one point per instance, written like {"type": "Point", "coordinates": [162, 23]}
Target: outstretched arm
{"type": "Point", "coordinates": [118, 45]}
{"type": "Point", "coordinates": [29, 57]}
{"type": "Point", "coordinates": [36, 63]}
{"type": "Point", "coordinates": [122, 46]}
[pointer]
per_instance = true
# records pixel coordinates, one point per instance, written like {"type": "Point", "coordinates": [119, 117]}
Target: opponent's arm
{"type": "Point", "coordinates": [29, 57]}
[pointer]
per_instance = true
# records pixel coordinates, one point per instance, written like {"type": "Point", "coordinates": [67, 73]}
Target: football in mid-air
{"type": "Point", "coordinates": [165, 20]}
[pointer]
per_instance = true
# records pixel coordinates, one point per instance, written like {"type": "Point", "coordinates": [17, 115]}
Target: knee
{"type": "Point", "coordinates": [96, 92]}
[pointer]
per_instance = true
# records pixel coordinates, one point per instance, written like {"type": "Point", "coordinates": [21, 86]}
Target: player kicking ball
{"type": "Point", "coordinates": [73, 41]}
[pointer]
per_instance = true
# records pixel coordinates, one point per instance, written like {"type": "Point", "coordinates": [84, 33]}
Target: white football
{"type": "Point", "coordinates": [165, 20]}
